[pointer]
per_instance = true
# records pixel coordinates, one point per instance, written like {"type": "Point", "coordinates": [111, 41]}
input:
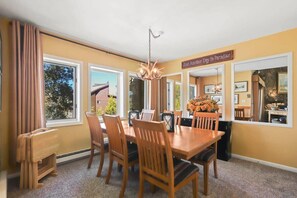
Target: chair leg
{"type": "Point", "coordinates": [109, 169]}
{"type": "Point", "coordinates": [195, 186]}
{"type": "Point", "coordinates": [124, 182]}
{"type": "Point", "coordinates": [101, 163]}
{"type": "Point", "coordinates": [91, 157]}
{"type": "Point", "coordinates": [215, 168]}
{"type": "Point", "coordinates": [205, 173]}
{"type": "Point", "coordinates": [171, 192]}
{"type": "Point", "coordinates": [141, 186]}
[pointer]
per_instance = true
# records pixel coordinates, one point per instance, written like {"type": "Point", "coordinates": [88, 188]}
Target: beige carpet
{"type": "Point", "coordinates": [237, 178]}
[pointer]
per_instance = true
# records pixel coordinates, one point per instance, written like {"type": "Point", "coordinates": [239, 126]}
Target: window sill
{"type": "Point", "coordinates": [63, 123]}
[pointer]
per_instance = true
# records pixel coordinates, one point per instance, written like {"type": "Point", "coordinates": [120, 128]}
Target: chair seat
{"type": "Point", "coordinates": [182, 170]}
{"type": "Point", "coordinates": [132, 152]}
{"type": "Point", "coordinates": [205, 156]}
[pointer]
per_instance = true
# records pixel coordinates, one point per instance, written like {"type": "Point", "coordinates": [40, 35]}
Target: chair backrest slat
{"type": "Point", "coordinates": [205, 120]}
{"type": "Point", "coordinates": [116, 135]}
{"type": "Point", "coordinates": [239, 113]}
{"type": "Point", "coordinates": [155, 155]}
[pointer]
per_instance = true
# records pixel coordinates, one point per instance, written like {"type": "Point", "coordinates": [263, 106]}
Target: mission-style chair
{"type": "Point", "coordinates": [97, 140]}
{"type": "Point", "coordinates": [209, 121]}
{"type": "Point", "coordinates": [156, 164]}
{"type": "Point", "coordinates": [239, 114]}
{"type": "Point", "coordinates": [119, 150]}
{"type": "Point", "coordinates": [147, 114]}
{"type": "Point", "coordinates": [177, 117]}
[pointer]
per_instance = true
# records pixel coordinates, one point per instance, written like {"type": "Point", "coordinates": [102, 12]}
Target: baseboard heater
{"type": "Point", "coordinates": [69, 157]}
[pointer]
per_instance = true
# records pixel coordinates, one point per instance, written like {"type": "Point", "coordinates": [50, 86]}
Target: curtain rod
{"type": "Point", "coordinates": [82, 44]}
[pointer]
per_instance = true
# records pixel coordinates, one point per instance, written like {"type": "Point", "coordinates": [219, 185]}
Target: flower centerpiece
{"type": "Point", "coordinates": [202, 104]}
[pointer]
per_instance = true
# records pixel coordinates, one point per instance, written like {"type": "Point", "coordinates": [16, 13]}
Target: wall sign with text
{"type": "Point", "coordinates": [205, 60]}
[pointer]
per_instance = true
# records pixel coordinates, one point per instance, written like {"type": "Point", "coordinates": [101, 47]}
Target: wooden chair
{"type": "Point", "coordinates": [156, 164]}
{"type": "Point", "coordinates": [239, 114]}
{"type": "Point", "coordinates": [147, 114]}
{"type": "Point", "coordinates": [209, 121]}
{"type": "Point", "coordinates": [177, 117]}
{"type": "Point", "coordinates": [97, 140]}
{"type": "Point", "coordinates": [119, 150]}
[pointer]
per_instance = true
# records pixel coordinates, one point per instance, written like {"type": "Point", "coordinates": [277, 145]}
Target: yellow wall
{"type": "Point", "coordinates": [273, 144]}
{"type": "Point", "coordinates": [77, 137]}
{"type": "Point", "coordinates": [244, 76]}
{"type": "Point", "coordinates": [4, 114]}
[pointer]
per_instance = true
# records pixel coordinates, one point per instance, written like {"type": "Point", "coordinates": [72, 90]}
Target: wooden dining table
{"type": "Point", "coordinates": [185, 141]}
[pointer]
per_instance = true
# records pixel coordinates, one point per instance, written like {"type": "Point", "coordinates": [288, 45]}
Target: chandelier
{"type": "Point", "coordinates": [149, 71]}
{"type": "Point", "coordinates": [218, 87]}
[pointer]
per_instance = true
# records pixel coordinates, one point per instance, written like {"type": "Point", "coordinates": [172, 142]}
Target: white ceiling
{"type": "Point", "coordinates": [190, 26]}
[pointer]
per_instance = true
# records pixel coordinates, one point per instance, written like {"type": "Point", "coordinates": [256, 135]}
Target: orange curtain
{"type": "Point", "coordinates": [163, 94]}
{"type": "Point", "coordinates": [27, 82]}
{"type": "Point", "coordinates": [154, 98]}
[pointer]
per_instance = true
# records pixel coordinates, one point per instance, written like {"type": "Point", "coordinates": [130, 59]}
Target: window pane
{"type": "Point", "coordinates": [136, 93]}
{"type": "Point", "coordinates": [104, 92]}
{"type": "Point", "coordinates": [192, 92]}
{"type": "Point", "coordinates": [177, 96]}
{"type": "Point", "coordinates": [59, 91]}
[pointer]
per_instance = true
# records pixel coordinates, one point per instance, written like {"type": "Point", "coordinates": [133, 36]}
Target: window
{"type": "Point", "coordinates": [62, 103]}
{"type": "Point", "coordinates": [106, 90]}
{"type": "Point", "coordinates": [262, 90]}
{"type": "Point", "coordinates": [192, 91]}
{"type": "Point", "coordinates": [170, 95]}
{"type": "Point", "coordinates": [136, 93]}
{"type": "Point", "coordinates": [177, 95]}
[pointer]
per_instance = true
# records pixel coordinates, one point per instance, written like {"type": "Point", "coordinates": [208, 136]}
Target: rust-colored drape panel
{"type": "Point", "coordinates": [163, 94]}
{"type": "Point", "coordinates": [27, 82]}
{"type": "Point", "coordinates": [155, 98]}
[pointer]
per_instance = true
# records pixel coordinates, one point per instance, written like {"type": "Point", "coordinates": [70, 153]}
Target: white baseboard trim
{"type": "Point", "coordinates": [275, 165]}
{"type": "Point", "coordinates": [3, 184]}
{"type": "Point", "coordinates": [61, 160]}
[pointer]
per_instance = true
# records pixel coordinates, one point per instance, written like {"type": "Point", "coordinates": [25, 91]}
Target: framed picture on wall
{"type": "Point", "coordinates": [282, 83]}
{"type": "Point", "coordinates": [218, 99]}
{"type": "Point", "coordinates": [209, 89]}
{"type": "Point", "coordinates": [236, 98]}
{"type": "Point", "coordinates": [241, 86]}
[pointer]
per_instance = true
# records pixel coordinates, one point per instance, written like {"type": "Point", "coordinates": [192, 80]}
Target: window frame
{"type": "Point", "coordinates": [77, 90]}
{"type": "Point", "coordinates": [269, 59]}
{"type": "Point", "coordinates": [171, 97]}
{"type": "Point", "coordinates": [121, 108]}
{"type": "Point", "coordinates": [195, 90]}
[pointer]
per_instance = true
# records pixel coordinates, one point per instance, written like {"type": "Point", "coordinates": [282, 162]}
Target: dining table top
{"type": "Point", "coordinates": [185, 141]}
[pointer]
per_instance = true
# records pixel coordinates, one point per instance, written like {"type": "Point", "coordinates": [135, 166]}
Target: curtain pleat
{"type": "Point", "coordinates": [154, 98]}
{"type": "Point", "coordinates": [163, 94]}
{"type": "Point", "coordinates": [27, 82]}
